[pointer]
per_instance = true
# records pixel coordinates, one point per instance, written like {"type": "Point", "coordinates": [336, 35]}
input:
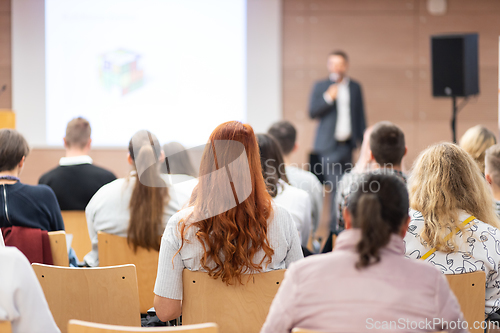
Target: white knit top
{"type": "Point", "coordinates": [108, 210]}
{"type": "Point", "coordinates": [282, 235]}
{"type": "Point", "coordinates": [22, 301]}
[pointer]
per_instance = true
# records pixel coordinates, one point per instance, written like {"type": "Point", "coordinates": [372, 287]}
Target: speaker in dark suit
{"type": "Point", "coordinates": [337, 102]}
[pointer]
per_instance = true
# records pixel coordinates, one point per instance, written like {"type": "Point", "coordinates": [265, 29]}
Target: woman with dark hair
{"type": "Point", "coordinates": [366, 283]}
{"type": "Point", "coordinates": [137, 207]}
{"type": "Point", "coordinates": [231, 227]}
{"type": "Point", "coordinates": [295, 200]}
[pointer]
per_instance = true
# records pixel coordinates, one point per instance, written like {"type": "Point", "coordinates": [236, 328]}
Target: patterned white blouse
{"type": "Point", "coordinates": [478, 249]}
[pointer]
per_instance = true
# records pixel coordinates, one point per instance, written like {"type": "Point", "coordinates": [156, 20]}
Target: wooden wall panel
{"type": "Point", "coordinates": [388, 43]}
{"type": "Point", "coordinates": [40, 161]}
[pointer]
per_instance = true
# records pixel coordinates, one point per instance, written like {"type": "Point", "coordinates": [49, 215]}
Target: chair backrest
{"type": "Point", "coordinates": [103, 295]}
{"type": "Point", "coordinates": [78, 326]}
{"type": "Point", "coordinates": [469, 288]}
{"type": "Point", "coordinates": [114, 250]}
{"type": "Point", "coordinates": [236, 307]}
{"type": "Point", "coordinates": [75, 224]}
{"type": "Point", "coordinates": [58, 247]}
{"type": "Point", "coordinates": [5, 327]}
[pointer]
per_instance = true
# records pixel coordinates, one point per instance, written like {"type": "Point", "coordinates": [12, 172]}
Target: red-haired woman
{"type": "Point", "coordinates": [231, 227]}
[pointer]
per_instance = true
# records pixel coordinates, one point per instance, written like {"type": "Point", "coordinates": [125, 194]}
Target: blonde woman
{"type": "Point", "coordinates": [452, 212]}
{"type": "Point", "coordinates": [475, 141]}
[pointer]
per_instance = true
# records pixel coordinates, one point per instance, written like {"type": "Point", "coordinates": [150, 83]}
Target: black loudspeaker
{"type": "Point", "coordinates": [455, 65]}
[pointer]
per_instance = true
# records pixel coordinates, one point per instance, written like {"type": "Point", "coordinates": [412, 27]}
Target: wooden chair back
{"type": "Point", "coordinates": [59, 248]}
{"type": "Point", "coordinates": [236, 307]}
{"type": "Point", "coordinates": [78, 326]}
{"type": "Point", "coordinates": [469, 288]}
{"type": "Point", "coordinates": [103, 295]}
{"type": "Point", "coordinates": [75, 224]}
{"type": "Point", "coordinates": [5, 327]}
{"type": "Point", "coordinates": [114, 250]}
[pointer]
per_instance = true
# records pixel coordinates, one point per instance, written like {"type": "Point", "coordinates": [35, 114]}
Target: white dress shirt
{"type": "Point", "coordinates": [75, 160]}
{"type": "Point", "coordinates": [343, 99]}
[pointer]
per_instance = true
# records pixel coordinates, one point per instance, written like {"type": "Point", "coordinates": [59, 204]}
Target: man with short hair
{"type": "Point", "coordinates": [387, 149]}
{"type": "Point", "coordinates": [285, 133]}
{"type": "Point", "coordinates": [337, 102]}
{"type": "Point", "coordinates": [76, 179]}
{"type": "Point", "coordinates": [492, 173]}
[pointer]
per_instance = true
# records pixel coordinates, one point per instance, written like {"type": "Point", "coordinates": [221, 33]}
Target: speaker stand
{"type": "Point", "coordinates": [455, 109]}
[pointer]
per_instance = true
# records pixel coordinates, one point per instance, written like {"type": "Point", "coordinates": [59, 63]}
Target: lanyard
{"type": "Point", "coordinates": [447, 238]}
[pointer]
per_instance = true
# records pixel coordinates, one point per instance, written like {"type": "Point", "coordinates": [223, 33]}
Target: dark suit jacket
{"type": "Point", "coordinates": [327, 115]}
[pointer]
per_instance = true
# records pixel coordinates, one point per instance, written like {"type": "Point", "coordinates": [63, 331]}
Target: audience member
{"type": "Point", "coordinates": [383, 148]}
{"type": "Point", "coordinates": [295, 200]}
{"type": "Point", "coordinates": [137, 207]}
{"type": "Point", "coordinates": [179, 161]}
{"type": "Point", "coordinates": [76, 179]}
{"type": "Point", "coordinates": [284, 132]}
{"type": "Point", "coordinates": [492, 174]}
{"type": "Point", "coordinates": [386, 151]}
{"type": "Point", "coordinates": [453, 223]}
{"type": "Point", "coordinates": [177, 170]}
{"type": "Point", "coordinates": [366, 280]}
{"type": "Point", "coordinates": [231, 228]}
{"type": "Point", "coordinates": [475, 141]}
{"type": "Point", "coordinates": [22, 301]}
{"type": "Point", "coordinates": [23, 205]}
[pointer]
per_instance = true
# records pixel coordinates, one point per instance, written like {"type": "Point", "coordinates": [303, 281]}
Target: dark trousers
{"type": "Point", "coordinates": [335, 164]}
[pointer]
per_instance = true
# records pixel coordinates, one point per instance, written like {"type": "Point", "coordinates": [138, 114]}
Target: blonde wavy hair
{"type": "Point", "coordinates": [444, 180]}
{"type": "Point", "coordinates": [475, 141]}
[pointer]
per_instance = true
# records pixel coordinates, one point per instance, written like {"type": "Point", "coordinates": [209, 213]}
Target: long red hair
{"type": "Point", "coordinates": [231, 205]}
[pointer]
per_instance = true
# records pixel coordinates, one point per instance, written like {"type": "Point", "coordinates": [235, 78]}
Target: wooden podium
{"type": "Point", "coordinates": [7, 118]}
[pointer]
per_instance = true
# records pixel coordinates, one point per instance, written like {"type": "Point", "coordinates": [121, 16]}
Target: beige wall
{"type": "Point", "coordinates": [40, 161]}
{"type": "Point", "coordinates": [5, 55]}
{"type": "Point", "coordinates": [388, 45]}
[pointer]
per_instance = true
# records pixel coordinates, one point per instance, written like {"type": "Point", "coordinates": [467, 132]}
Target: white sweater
{"type": "Point", "coordinates": [298, 203]}
{"type": "Point", "coordinates": [108, 210]}
{"type": "Point", "coordinates": [308, 182]}
{"type": "Point", "coordinates": [281, 233]}
{"type": "Point", "coordinates": [22, 301]}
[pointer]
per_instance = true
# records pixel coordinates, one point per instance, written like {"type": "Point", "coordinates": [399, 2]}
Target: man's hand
{"type": "Point", "coordinates": [332, 91]}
